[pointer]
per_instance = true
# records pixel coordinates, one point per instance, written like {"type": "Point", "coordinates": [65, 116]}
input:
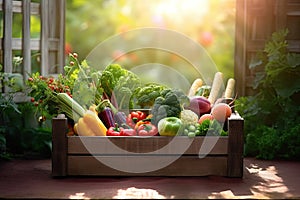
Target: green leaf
{"type": "Point", "coordinates": [259, 76]}
{"type": "Point", "coordinates": [255, 61]}
{"type": "Point", "coordinates": [293, 60]}
{"type": "Point", "coordinates": [287, 85]}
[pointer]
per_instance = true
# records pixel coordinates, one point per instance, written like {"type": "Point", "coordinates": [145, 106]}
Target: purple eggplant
{"type": "Point", "coordinates": [105, 113]}
{"type": "Point", "coordinates": [107, 117]}
{"type": "Point", "coordinates": [120, 118]}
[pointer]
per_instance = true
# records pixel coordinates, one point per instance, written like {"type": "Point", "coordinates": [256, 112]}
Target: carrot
{"type": "Point", "coordinates": [229, 91]}
{"type": "Point", "coordinates": [221, 112]}
{"type": "Point", "coordinates": [216, 87]}
{"type": "Point", "coordinates": [195, 86]}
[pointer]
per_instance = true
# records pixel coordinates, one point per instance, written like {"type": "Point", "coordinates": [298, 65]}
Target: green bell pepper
{"type": "Point", "coordinates": [169, 126]}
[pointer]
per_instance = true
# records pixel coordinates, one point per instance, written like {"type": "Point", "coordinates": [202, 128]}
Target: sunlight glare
{"type": "Point", "coordinates": [271, 186]}
{"type": "Point", "coordinates": [138, 193]}
{"type": "Point", "coordinates": [179, 10]}
{"type": "Point", "coordinates": [78, 195]}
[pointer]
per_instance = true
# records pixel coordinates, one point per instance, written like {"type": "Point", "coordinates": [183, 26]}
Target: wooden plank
{"type": "Point", "coordinates": [148, 145]}
{"type": "Point", "coordinates": [281, 14]}
{"type": "Point", "coordinates": [61, 46]}
{"type": "Point", "coordinates": [183, 166]}
{"type": "Point", "coordinates": [59, 147]}
{"type": "Point", "coordinates": [56, 30]}
{"type": "Point", "coordinates": [17, 7]}
{"type": "Point", "coordinates": [235, 146]}
{"type": "Point", "coordinates": [34, 44]}
{"type": "Point", "coordinates": [26, 39]}
{"type": "Point", "coordinates": [44, 48]}
{"type": "Point", "coordinates": [240, 47]}
{"type": "Point", "coordinates": [7, 35]}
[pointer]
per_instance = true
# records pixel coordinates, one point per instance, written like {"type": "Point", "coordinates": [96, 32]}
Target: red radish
{"type": "Point", "coordinates": [205, 117]}
{"type": "Point", "coordinates": [199, 104]}
{"type": "Point", "coordinates": [221, 111]}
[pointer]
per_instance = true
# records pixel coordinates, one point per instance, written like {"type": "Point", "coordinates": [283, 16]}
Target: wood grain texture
{"type": "Point", "coordinates": [59, 147]}
{"type": "Point", "coordinates": [26, 38]}
{"type": "Point", "coordinates": [235, 146]}
{"type": "Point", "coordinates": [184, 166]}
{"type": "Point", "coordinates": [151, 145]}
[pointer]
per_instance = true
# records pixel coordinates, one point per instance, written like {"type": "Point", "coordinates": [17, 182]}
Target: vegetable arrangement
{"type": "Point", "coordinates": [122, 105]}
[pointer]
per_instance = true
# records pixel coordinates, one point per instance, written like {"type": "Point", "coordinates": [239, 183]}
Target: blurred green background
{"type": "Point", "coordinates": [211, 23]}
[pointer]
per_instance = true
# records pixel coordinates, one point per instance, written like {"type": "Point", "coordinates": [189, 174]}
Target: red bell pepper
{"type": "Point", "coordinates": [134, 117]}
{"type": "Point", "coordinates": [127, 132]}
{"type": "Point", "coordinates": [137, 116]}
{"type": "Point", "coordinates": [113, 131]}
{"type": "Point", "coordinates": [147, 130]}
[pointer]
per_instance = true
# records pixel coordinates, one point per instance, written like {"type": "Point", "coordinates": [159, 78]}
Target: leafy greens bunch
{"type": "Point", "coordinates": [119, 84]}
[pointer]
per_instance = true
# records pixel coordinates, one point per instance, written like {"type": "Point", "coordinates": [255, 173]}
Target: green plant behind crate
{"type": "Point", "coordinates": [272, 115]}
{"type": "Point", "coordinates": [20, 130]}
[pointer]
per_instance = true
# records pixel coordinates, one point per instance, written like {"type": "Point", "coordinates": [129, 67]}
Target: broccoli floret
{"type": "Point", "coordinates": [145, 96]}
{"type": "Point", "coordinates": [171, 99]}
{"type": "Point", "coordinates": [167, 105]}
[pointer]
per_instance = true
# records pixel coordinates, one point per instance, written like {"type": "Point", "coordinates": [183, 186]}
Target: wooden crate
{"type": "Point", "coordinates": [77, 155]}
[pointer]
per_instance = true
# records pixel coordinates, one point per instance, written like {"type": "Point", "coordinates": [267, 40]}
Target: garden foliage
{"type": "Point", "coordinates": [22, 132]}
{"type": "Point", "coordinates": [272, 116]}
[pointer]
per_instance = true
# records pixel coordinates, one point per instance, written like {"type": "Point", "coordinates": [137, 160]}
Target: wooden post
{"type": "Point", "coordinates": [59, 147]}
{"type": "Point", "coordinates": [7, 39]}
{"type": "Point", "coordinates": [44, 46]}
{"type": "Point", "coordinates": [235, 163]}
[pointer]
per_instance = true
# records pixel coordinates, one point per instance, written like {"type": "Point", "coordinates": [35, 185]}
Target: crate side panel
{"type": "Point", "coordinates": [149, 145]}
{"type": "Point", "coordinates": [184, 166]}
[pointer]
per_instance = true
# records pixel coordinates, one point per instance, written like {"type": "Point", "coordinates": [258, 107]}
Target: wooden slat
{"type": "Point", "coordinates": [56, 30]}
{"type": "Point", "coordinates": [147, 145]}
{"type": "Point", "coordinates": [184, 166]}
{"type": "Point", "coordinates": [61, 50]}
{"type": "Point", "coordinates": [44, 48]}
{"type": "Point", "coordinates": [34, 44]}
{"type": "Point", "coordinates": [7, 48]}
{"type": "Point", "coordinates": [26, 39]}
{"type": "Point", "coordinates": [59, 147]}
{"type": "Point", "coordinates": [17, 7]}
{"type": "Point", "coordinates": [240, 48]}
{"type": "Point", "coordinates": [281, 14]}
